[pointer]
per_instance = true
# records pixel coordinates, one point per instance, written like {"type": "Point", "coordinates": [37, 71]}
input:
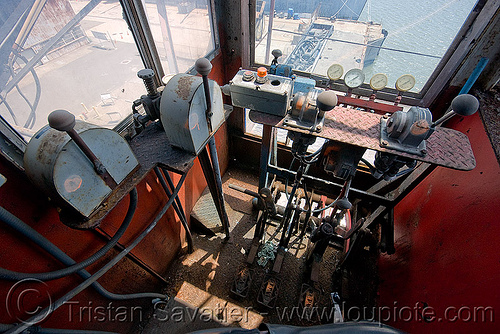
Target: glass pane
{"type": "Point", "coordinates": [87, 66]}
{"type": "Point", "coordinates": [182, 31]}
{"type": "Point", "coordinates": [395, 37]}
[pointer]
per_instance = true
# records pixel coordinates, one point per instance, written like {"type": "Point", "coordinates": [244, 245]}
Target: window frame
{"type": "Point", "coordinates": [462, 45]}
{"type": "Point", "coordinates": [13, 145]}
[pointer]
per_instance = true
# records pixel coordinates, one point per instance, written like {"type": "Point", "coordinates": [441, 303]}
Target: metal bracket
{"type": "Point", "coordinates": [291, 122]}
{"type": "Point", "coordinates": [387, 142]}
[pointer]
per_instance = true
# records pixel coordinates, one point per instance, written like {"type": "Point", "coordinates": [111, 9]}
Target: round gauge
{"type": "Point", "coordinates": [335, 72]}
{"type": "Point", "coordinates": [354, 78]}
{"type": "Point", "coordinates": [405, 82]}
{"type": "Point", "coordinates": [378, 81]}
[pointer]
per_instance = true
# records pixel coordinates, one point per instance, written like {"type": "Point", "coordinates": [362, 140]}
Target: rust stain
{"type": "Point", "coordinates": [420, 127]}
{"type": "Point", "coordinates": [48, 148]}
{"type": "Point", "coordinates": [184, 86]}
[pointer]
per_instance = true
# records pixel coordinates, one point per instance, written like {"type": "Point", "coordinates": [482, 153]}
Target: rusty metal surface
{"type": "Point", "coordinates": [379, 108]}
{"type": "Point", "coordinates": [53, 17]}
{"type": "Point", "coordinates": [151, 149]}
{"type": "Point", "coordinates": [445, 147]}
{"type": "Point", "coordinates": [490, 115]}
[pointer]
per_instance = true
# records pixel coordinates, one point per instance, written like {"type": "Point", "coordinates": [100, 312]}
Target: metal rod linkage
{"type": "Point", "coordinates": [178, 210]}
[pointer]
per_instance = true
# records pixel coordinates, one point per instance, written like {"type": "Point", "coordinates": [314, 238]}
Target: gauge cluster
{"type": "Point", "coordinates": [355, 77]}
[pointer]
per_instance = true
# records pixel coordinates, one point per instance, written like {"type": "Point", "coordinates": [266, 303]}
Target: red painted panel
{"type": "Point", "coordinates": [446, 234]}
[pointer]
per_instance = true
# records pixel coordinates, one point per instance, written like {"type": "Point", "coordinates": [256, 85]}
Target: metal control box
{"type": "Point", "coordinates": [183, 112]}
{"type": "Point", "coordinates": [57, 165]}
{"type": "Point", "coordinates": [272, 96]}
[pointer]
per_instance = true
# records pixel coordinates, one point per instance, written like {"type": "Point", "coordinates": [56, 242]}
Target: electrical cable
{"type": "Point", "coordinates": [61, 301]}
{"type": "Point", "coordinates": [47, 276]}
{"type": "Point", "coordinates": [57, 253]}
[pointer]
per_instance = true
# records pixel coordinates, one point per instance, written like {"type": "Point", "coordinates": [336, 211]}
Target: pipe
{"type": "Point", "coordinates": [269, 30]}
{"type": "Point", "coordinates": [474, 76]}
{"type": "Point", "coordinates": [61, 301]}
{"type": "Point", "coordinates": [178, 210]}
{"type": "Point", "coordinates": [47, 276]}
{"type": "Point", "coordinates": [35, 11]}
{"type": "Point", "coordinates": [53, 250]}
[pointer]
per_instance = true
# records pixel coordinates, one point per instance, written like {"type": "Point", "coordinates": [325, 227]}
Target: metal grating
{"type": "Point", "coordinates": [445, 147]}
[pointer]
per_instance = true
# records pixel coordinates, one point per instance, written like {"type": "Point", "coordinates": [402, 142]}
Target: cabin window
{"type": "Point", "coordinates": [182, 31]}
{"type": "Point", "coordinates": [82, 56]}
{"type": "Point", "coordinates": [383, 36]}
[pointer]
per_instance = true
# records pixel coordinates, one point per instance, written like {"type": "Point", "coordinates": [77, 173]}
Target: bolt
{"type": "Point", "coordinates": [385, 117]}
{"type": "Point", "coordinates": [147, 76]}
{"type": "Point", "coordinates": [318, 128]}
{"type": "Point", "coordinates": [423, 151]}
{"type": "Point", "coordinates": [385, 143]}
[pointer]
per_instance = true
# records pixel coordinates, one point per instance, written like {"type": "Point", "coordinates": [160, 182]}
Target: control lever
{"type": "Point", "coordinates": [151, 101]}
{"type": "Point", "coordinates": [264, 197]}
{"type": "Point", "coordinates": [276, 54]}
{"type": "Point", "coordinates": [464, 105]}
{"type": "Point", "coordinates": [326, 101]}
{"type": "Point", "coordinates": [203, 67]}
{"type": "Point", "coordinates": [63, 120]}
{"type": "Point", "coordinates": [343, 202]}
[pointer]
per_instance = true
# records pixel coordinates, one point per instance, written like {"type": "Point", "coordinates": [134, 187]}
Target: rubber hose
{"type": "Point", "coordinates": [82, 286]}
{"type": "Point", "coordinates": [57, 253]}
{"type": "Point", "coordinates": [47, 276]}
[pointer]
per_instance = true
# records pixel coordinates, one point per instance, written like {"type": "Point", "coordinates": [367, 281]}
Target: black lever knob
{"type": "Point", "coordinates": [203, 66]}
{"type": "Point", "coordinates": [326, 100]}
{"type": "Point", "coordinates": [277, 53]}
{"type": "Point", "coordinates": [343, 204]}
{"type": "Point", "coordinates": [61, 120]}
{"type": "Point", "coordinates": [465, 104]}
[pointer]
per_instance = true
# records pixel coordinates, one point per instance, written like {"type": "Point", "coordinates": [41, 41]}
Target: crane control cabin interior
{"type": "Point", "coordinates": [248, 166]}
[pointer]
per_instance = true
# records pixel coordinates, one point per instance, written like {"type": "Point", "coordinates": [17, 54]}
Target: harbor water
{"type": "Point", "coordinates": [425, 26]}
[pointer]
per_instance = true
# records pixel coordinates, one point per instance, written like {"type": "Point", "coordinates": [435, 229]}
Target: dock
{"type": "Point", "coordinates": [352, 44]}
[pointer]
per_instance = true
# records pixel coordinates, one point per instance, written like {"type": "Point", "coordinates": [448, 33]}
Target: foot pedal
{"type": "Point", "coordinates": [242, 282]}
{"type": "Point", "coordinates": [308, 302]}
{"type": "Point", "coordinates": [253, 252]}
{"type": "Point", "coordinates": [278, 262]}
{"type": "Point", "coordinates": [315, 267]}
{"type": "Point", "coordinates": [268, 293]}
